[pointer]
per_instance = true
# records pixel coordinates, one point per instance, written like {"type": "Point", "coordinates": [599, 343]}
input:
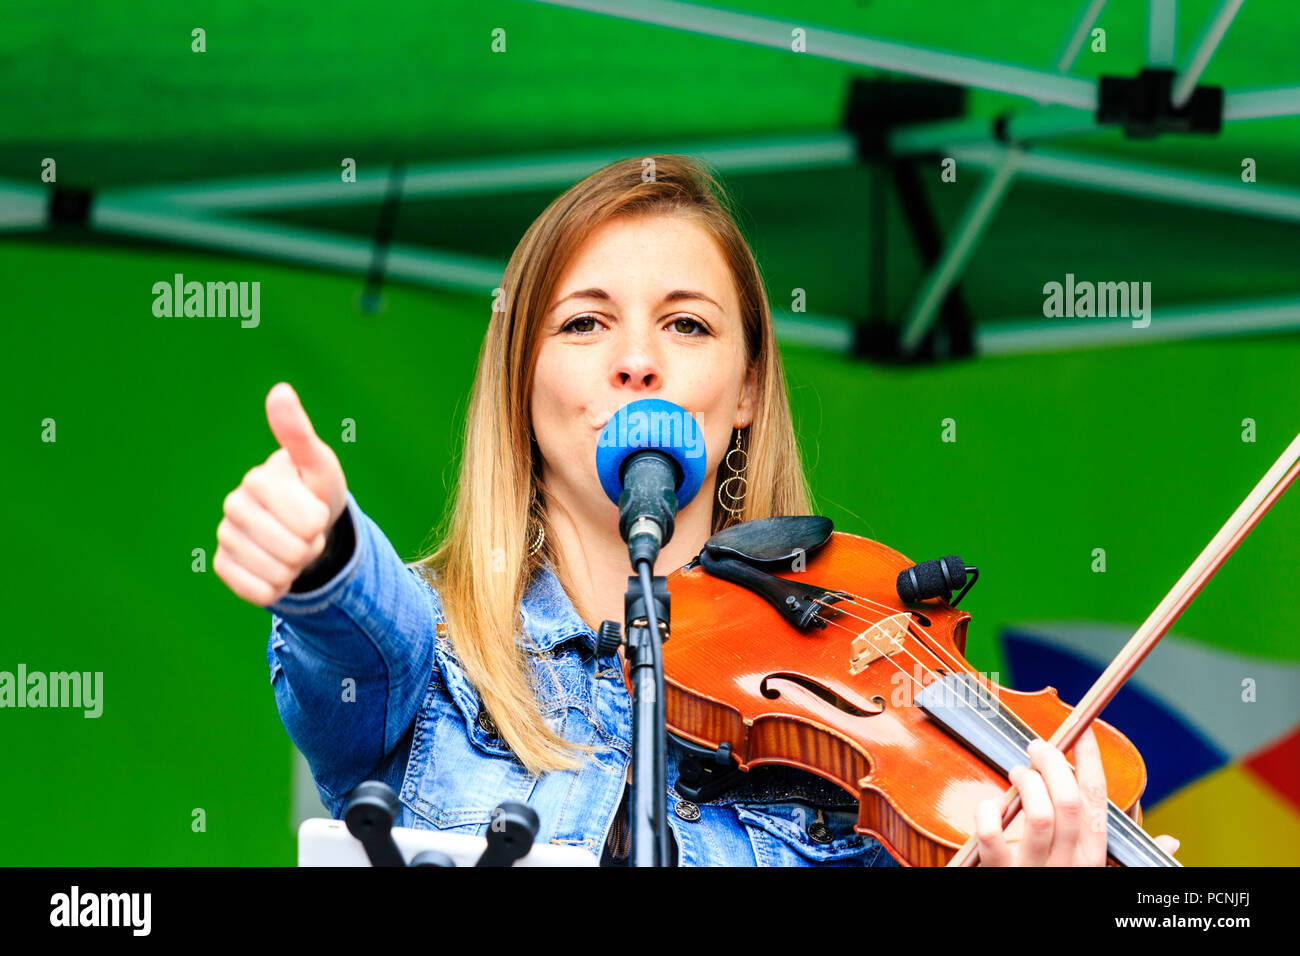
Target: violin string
{"type": "Point", "coordinates": [958, 665]}
{"type": "Point", "coordinates": [959, 672]}
{"type": "Point", "coordinates": [1134, 833]}
{"type": "Point", "coordinates": [926, 670]}
{"type": "Point", "coordinates": [937, 649]}
{"type": "Point", "coordinates": [1019, 743]}
{"type": "Point", "coordinates": [968, 678]}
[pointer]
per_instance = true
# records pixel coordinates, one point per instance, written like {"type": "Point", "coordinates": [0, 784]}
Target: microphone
{"type": "Point", "coordinates": [651, 460]}
{"type": "Point", "coordinates": [932, 579]}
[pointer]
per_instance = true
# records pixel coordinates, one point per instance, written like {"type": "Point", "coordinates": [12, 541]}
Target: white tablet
{"type": "Point", "coordinates": [324, 842]}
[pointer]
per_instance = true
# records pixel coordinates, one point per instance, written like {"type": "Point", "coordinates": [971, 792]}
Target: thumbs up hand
{"type": "Point", "coordinates": [277, 521]}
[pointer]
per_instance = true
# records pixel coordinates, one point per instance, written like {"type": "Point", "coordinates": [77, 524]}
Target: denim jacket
{"type": "Point", "coordinates": [368, 688]}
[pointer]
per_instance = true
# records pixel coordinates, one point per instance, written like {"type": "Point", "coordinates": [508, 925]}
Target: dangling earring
{"type": "Point", "coordinates": [738, 475]}
{"type": "Point", "coordinates": [537, 529]}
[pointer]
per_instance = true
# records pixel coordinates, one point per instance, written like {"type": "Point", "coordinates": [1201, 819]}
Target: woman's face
{"type": "Point", "coordinates": [646, 308]}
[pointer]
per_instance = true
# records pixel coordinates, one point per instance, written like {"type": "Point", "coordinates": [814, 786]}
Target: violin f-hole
{"type": "Point", "coordinates": [823, 692]}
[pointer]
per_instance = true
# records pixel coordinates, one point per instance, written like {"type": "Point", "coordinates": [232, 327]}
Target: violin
{"type": "Point", "coordinates": [837, 677]}
{"type": "Point", "coordinates": [791, 645]}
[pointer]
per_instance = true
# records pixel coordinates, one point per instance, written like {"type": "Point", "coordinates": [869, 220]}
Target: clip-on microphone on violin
{"type": "Point", "coordinates": [940, 578]}
{"type": "Point", "coordinates": [651, 460]}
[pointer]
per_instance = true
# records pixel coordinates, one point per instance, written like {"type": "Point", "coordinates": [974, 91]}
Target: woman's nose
{"type": "Point", "coordinates": [636, 368]}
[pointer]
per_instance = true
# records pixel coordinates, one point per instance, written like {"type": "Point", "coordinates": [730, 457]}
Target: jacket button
{"type": "Point", "coordinates": [687, 811]}
{"type": "Point", "coordinates": [819, 832]}
{"type": "Point", "coordinates": [485, 724]}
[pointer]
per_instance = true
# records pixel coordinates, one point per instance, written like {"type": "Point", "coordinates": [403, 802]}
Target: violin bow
{"type": "Point", "coordinates": [1275, 481]}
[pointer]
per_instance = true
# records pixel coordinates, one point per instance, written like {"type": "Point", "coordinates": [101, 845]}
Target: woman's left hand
{"type": "Point", "coordinates": [1062, 821]}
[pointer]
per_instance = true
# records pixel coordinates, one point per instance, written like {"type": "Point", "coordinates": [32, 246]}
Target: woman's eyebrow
{"type": "Point", "coordinates": [675, 296]}
{"type": "Point", "coordinates": [678, 294]}
{"type": "Point", "coordinates": [582, 294]}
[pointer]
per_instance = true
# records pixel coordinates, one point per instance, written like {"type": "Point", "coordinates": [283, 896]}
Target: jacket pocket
{"type": "Point", "coordinates": [459, 769]}
{"type": "Point", "coordinates": [793, 833]}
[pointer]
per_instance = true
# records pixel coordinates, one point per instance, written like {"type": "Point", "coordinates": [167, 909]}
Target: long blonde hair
{"type": "Point", "coordinates": [482, 565]}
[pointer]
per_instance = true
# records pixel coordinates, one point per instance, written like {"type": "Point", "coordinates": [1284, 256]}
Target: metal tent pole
{"type": "Point", "coordinates": [293, 244]}
{"type": "Point", "coordinates": [1162, 33]}
{"type": "Point", "coordinates": [1075, 43]}
{"type": "Point", "coordinates": [491, 176]}
{"type": "Point", "coordinates": [826, 44]}
{"type": "Point", "coordinates": [23, 206]}
{"type": "Point", "coordinates": [480, 276]}
{"type": "Point", "coordinates": [974, 222]}
{"type": "Point", "coordinates": [1262, 104]}
{"type": "Point", "coordinates": [979, 214]}
{"type": "Point", "coordinates": [1208, 320]}
{"type": "Point", "coordinates": [1185, 83]}
{"type": "Point", "coordinates": [1031, 125]}
{"type": "Point", "coordinates": [1027, 334]}
{"type": "Point", "coordinates": [1151, 182]}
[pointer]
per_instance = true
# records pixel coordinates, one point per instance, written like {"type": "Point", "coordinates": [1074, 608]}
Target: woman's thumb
{"type": "Point", "coordinates": [314, 460]}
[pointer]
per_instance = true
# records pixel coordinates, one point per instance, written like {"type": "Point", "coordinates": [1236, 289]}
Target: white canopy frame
{"type": "Point", "coordinates": [207, 214]}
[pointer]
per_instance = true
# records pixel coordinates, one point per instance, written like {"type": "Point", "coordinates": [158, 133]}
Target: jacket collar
{"type": "Point", "coordinates": [549, 617]}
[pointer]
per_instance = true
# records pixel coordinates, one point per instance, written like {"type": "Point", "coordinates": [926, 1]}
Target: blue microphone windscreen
{"type": "Point", "coordinates": [651, 423]}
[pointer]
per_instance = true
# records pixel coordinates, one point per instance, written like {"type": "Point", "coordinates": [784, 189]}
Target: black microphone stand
{"type": "Point", "coordinates": [647, 506]}
{"type": "Point", "coordinates": [646, 611]}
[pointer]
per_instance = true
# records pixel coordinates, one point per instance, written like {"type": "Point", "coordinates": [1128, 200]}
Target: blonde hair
{"type": "Point", "coordinates": [481, 564]}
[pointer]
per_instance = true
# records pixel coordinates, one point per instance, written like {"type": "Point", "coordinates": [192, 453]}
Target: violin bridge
{"type": "Point", "coordinates": [879, 640]}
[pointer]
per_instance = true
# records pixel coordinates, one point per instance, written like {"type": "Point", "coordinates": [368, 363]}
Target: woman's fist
{"type": "Point", "coordinates": [277, 521]}
{"type": "Point", "coordinates": [1063, 818]}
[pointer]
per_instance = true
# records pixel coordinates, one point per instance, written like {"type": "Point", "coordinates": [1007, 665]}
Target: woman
{"type": "Point", "coordinates": [470, 676]}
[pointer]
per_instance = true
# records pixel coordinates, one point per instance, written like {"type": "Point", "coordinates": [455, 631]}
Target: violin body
{"type": "Point", "coordinates": [841, 701]}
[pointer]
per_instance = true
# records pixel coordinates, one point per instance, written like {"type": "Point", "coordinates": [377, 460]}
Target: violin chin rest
{"type": "Point", "coordinates": [771, 540]}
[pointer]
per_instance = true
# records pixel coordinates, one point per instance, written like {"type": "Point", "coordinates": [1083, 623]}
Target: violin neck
{"type": "Point", "coordinates": [967, 711]}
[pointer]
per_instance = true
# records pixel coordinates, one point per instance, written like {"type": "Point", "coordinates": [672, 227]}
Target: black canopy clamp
{"type": "Point", "coordinates": [1143, 105]}
{"type": "Point", "coordinates": [740, 553]}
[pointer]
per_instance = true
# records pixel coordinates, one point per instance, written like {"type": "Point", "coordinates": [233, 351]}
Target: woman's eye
{"type": "Point", "coordinates": [688, 326]}
{"type": "Point", "coordinates": [588, 323]}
